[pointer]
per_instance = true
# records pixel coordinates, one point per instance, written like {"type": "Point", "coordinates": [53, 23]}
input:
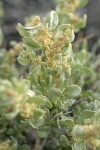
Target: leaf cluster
{"type": "Point", "coordinates": [55, 103]}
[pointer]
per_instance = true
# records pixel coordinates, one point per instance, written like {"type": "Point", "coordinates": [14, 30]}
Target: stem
{"type": "Point", "coordinates": [44, 141]}
{"type": "Point", "coordinates": [36, 147]}
{"type": "Point", "coordinates": [81, 39]}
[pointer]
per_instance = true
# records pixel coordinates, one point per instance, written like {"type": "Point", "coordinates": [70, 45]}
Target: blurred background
{"type": "Point", "coordinates": [14, 11]}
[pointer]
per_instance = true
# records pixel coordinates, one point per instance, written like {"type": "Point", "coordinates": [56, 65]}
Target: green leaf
{"type": "Point", "coordinates": [31, 42]}
{"type": "Point", "coordinates": [73, 91]}
{"type": "Point", "coordinates": [88, 71]}
{"type": "Point", "coordinates": [72, 37]}
{"type": "Point", "coordinates": [53, 20]}
{"type": "Point", "coordinates": [65, 140]}
{"type": "Point", "coordinates": [80, 145]}
{"type": "Point", "coordinates": [97, 104]}
{"type": "Point", "coordinates": [83, 3]}
{"type": "Point", "coordinates": [63, 27]}
{"type": "Point", "coordinates": [40, 101]}
{"type": "Point", "coordinates": [42, 132]}
{"type": "Point", "coordinates": [48, 104]}
{"type": "Point", "coordinates": [81, 57]}
{"type": "Point", "coordinates": [12, 115]}
{"type": "Point", "coordinates": [49, 79]}
{"type": "Point", "coordinates": [56, 91]}
{"type": "Point", "coordinates": [3, 129]}
{"type": "Point", "coordinates": [23, 58]}
{"type": "Point", "coordinates": [22, 31]}
{"type": "Point", "coordinates": [6, 102]}
{"type": "Point", "coordinates": [96, 117]}
{"type": "Point", "coordinates": [31, 53]}
{"type": "Point", "coordinates": [67, 122]}
{"type": "Point", "coordinates": [22, 85]}
{"type": "Point", "coordinates": [22, 61]}
{"type": "Point", "coordinates": [1, 37]}
{"type": "Point", "coordinates": [84, 115]}
{"type": "Point", "coordinates": [84, 20]}
{"type": "Point", "coordinates": [33, 30]}
{"type": "Point", "coordinates": [38, 114]}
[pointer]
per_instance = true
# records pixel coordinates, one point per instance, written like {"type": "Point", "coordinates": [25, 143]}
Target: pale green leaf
{"type": "Point", "coordinates": [67, 122]}
{"type": "Point", "coordinates": [63, 27]}
{"type": "Point", "coordinates": [65, 140]}
{"type": "Point", "coordinates": [33, 30]}
{"type": "Point", "coordinates": [31, 42]}
{"type": "Point", "coordinates": [42, 132]}
{"type": "Point", "coordinates": [40, 101]}
{"type": "Point", "coordinates": [73, 91]}
{"type": "Point", "coordinates": [79, 145]}
{"type": "Point", "coordinates": [38, 114]}
{"type": "Point", "coordinates": [22, 31]}
{"type": "Point", "coordinates": [53, 20]}
{"type": "Point", "coordinates": [84, 115]}
{"type": "Point", "coordinates": [22, 61]}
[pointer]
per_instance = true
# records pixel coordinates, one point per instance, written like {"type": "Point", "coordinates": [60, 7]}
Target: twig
{"type": "Point", "coordinates": [77, 102]}
{"type": "Point", "coordinates": [53, 140]}
{"type": "Point", "coordinates": [78, 41]}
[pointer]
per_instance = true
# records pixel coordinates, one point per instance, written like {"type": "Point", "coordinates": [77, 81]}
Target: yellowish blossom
{"type": "Point", "coordinates": [44, 37]}
{"type": "Point", "coordinates": [5, 146]}
{"type": "Point", "coordinates": [36, 20]}
{"type": "Point", "coordinates": [27, 110]}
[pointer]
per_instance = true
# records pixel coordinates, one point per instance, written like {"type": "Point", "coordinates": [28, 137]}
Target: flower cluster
{"type": "Point", "coordinates": [26, 110]}
{"type": "Point", "coordinates": [69, 6]}
{"type": "Point", "coordinates": [64, 108]}
{"type": "Point", "coordinates": [66, 10]}
{"type": "Point", "coordinates": [88, 133]}
{"type": "Point", "coordinates": [5, 146]}
{"type": "Point", "coordinates": [17, 100]}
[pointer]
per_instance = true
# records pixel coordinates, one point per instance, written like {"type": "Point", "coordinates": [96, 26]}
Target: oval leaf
{"type": "Point", "coordinates": [67, 122]}
{"type": "Point", "coordinates": [38, 114]}
{"type": "Point", "coordinates": [84, 115]}
{"type": "Point", "coordinates": [22, 61]}
{"type": "Point", "coordinates": [40, 101]}
{"type": "Point", "coordinates": [73, 91]}
{"type": "Point", "coordinates": [53, 20]}
{"type": "Point", "coordinates": [64, 140]}
{"type": "Point", "coordinates": [31, 43]}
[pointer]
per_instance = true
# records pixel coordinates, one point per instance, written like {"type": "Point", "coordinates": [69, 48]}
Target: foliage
{"type": "Point", "coordinates": [53, 103]}
{"type": "Point", "coordinates": [66, 10]}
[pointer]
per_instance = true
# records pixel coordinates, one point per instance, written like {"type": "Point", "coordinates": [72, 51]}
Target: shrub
{"type": "Point", "coordinates": [55, 104]}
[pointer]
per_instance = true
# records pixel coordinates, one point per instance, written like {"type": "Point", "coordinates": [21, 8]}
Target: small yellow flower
{"type": "Point", "coordinates": [36, 20]}
{"type": "Point", "coordinates": [5, 146]}
{"type": "Point", "coordinates": [51, 63]}
{"type": "Point", "coordinates": [64, 66]}
{"type": "Point", "coordinates": [90, 135]}
{"type": "Point", "coordinates": [70, 5]}
{"type": "Point", "coordinates": [44, 37]}
{"type": "Point", "coordinates": [27, 110]}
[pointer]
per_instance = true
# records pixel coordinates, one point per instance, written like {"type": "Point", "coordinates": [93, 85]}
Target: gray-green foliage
{"type": "Point", "coordinates": [62, 85]}
{"type": "Point", "coordinates": [58, 101]}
